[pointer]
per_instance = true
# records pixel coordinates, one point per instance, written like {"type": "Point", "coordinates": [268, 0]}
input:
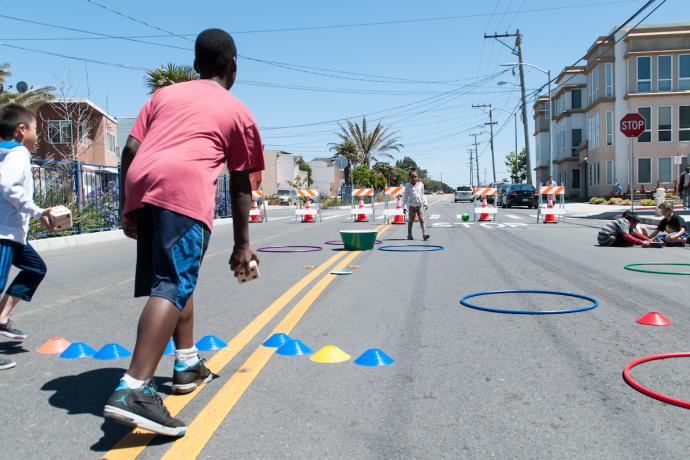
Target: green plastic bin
{"type": "Point", "coordinates": [358, 240]}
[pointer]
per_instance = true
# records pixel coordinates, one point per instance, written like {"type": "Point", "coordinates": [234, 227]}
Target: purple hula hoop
{"type": "Point", "coordinates": [288, 249]}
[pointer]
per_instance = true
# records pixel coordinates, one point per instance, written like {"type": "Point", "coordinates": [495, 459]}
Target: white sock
{"type": "Point", "coordinates": [189, 356]}
{"type": "Point", "coordinates": [132, 383]}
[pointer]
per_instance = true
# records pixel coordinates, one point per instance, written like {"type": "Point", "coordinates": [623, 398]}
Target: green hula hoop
{"type": "Point", "coordinates": [634, 268]}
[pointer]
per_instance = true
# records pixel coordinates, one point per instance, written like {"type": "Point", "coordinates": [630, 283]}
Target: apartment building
{"type": "Point", "coordinates": [646, 71]}
{"type": "Point", "coordinates": [77, 130]}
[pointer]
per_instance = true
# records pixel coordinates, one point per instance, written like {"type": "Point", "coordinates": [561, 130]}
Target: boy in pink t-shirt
{"type": "Point", "coordinates": [181, 140]}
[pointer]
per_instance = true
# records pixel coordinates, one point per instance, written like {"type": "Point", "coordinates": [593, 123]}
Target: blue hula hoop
{"type": "Point", "coordinates": [594, 304]}
{"type": "Point", "coordinates": [401, 248]}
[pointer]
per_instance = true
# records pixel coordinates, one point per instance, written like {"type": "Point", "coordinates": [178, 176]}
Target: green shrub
{"type": "Point", "coordinates": [331, 202]}
{"type": "Point", "coordinates": [596, 200]}
{"type": "Point", "coordinates": [615, 201]}
{"type": "Point", "coordinates": [625, 203]}
{"type": "Point", "coordinates": [647, 202]}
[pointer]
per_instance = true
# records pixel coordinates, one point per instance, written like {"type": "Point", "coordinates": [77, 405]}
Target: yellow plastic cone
{"type": "Point", "coordinates": [330, 354]}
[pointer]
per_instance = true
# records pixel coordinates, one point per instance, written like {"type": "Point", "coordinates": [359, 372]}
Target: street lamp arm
{"type": "Point", "coordinates": [513, 64]}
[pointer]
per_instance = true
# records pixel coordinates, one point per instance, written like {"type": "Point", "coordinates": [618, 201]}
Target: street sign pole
{"type": "Point", "coordinates": [632, 125]}
{"type": "Point", "coordinates": [632, 173]}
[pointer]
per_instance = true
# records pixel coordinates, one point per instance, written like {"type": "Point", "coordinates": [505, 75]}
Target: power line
{"type": "Point", "coordinates": [137, 20]}
{"type": "Point", "coordinates": [341, 26]}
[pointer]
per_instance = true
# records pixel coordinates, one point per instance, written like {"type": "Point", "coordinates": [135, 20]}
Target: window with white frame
{"type": "Point", "coordinates": [644, 74]}
{"type": "Point", "coordinates": [595, 86]}
{"type": "Point", "coordinates": [609, 128]}
{"type": "Point", "coordinates": [110, 137]}
{"type": "Point", "coordinates": [609, 172]}
{"type": "Point", "coordinates": [593, 131]}
{"type": "Point", "coordinates": [59, 131]}
{"type": "Point", "coordinates": [575, 179]}
{"type": "Point", "coordinates": [684, 123]}
{"type": "Point", "coordinates": [644, 170]}
{"type": "Point", "coordinates": [597, 128]}
{"type": "Point", "coordinates": [608, 79]}
{"type": "Point", "coordinates": [576, 139]}
{"type": "Point", "coordinates": [561, 143]}
{"type": "Point", "coordinates": [593, 174]}
{"type": "Point", "coordinates": [684, 72]}
{"type": "Point", "coordinates": [83, 132]}
{"type": "Point", "coordinates": [666, 170]}
{"type": "Point", "coordinates": [589, 88]}
{"type": "Point", "coordinates": [664, 73]}
{"type": "Point", "coordinates": [576, 99]}
{"type": "Point", "coordinates": [664, 120]}
{"type": "Point", "coordinates": [646, 112]}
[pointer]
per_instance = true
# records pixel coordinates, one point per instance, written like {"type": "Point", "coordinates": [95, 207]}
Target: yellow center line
{"type": "Point", "coordinates": [134, 442]}
{"type": "Point", "coordinates": [206, 423]}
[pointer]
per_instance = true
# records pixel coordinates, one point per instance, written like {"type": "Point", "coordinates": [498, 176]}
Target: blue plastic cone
{"type": "Point", "coordinates": [210, 343]}
{"type": "Point", "coordinates": [77, 350]}
{"type": "Point", "coordinates": [294, 348]}
{"type": "Point", "coordinates": [277, 340]}
{"type": "Point", "coordinates": [170, 348]}
{"type": "Point", "coordinates": [374, 357]}
{"type": "Point", "coordinates": [112, 351]}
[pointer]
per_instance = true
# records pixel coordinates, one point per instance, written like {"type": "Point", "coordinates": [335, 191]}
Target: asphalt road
{"type": "Point", "coordinates": [465, 383]}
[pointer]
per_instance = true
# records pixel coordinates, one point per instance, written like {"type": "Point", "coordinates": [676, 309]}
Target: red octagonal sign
{"type": "Point", "coordinates": [633, 124]}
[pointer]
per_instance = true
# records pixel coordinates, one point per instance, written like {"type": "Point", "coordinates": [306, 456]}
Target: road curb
{"type": "Point", "coordinates": [87, 239]}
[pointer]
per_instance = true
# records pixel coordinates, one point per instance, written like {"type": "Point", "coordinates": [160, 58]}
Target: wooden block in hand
{"type": "Point", "coordinates": [60, 217]}
{"type": "Point", "coordinates": [243, 277]}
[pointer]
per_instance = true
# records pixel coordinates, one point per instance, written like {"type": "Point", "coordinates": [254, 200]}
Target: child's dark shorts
{"type": "Point", "coordinates": [170, 248]}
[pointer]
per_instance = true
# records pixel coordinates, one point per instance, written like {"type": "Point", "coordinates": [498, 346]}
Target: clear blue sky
{"type": "Point", "coordinates": [435, 132]}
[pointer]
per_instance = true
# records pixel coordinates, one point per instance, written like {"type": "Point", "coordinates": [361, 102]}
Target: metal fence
{"type": "Point", "coordinates": [92, 193]}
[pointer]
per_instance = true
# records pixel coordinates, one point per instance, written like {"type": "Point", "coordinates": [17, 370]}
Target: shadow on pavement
{"type": "Point", "coordinates": [87, 393]}
{"type": "Point", "coordinates": [12, 348]}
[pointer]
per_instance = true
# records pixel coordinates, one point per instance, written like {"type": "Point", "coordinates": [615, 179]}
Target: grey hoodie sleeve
{"type": "Point", "coordinates": [15, 167]}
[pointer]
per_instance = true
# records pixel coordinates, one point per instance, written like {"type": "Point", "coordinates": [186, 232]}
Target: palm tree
{"type": "Point", "coordinates": [167, 75]}
{"type": "Point", "coordinates": [32, 98]}
{"type": "Point", "coordinates": [347, 149]}
{"type": "Point", "coordinates": [370, 145]}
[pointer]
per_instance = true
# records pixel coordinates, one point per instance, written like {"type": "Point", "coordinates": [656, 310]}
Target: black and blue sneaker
{"type": "Point", "coordinates": [187, 378]}
{"type": "Point", "coordinates": [142, 408]}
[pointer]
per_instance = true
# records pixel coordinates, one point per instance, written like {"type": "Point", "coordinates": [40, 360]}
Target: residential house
{"type": "Point", "coordinates": [77, 130]}
{"type": "Point", "coordinates": [644, 70]}
{"type": "Point", "coordinates": [280, 167]}
{"type": "Point", "coordinates": [326, 175]}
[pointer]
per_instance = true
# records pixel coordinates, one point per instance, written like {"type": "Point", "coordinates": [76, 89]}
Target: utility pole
{"type": "Point", "coordinates": [471, 168]}
{"type": "Point", "coordinates": [491, 124]}
{"type": "Point", "coordinates": [517, 50]}
{"type": "Point", "coordinates": [476, 157]}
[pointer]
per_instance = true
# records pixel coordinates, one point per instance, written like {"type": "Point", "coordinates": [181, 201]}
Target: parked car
{"type": "Point", "coordinates": [287, 196]}
{"type": "Point", "coordinates": [463, 193]}
{"type": "Point", "coordinates": [520, 195]}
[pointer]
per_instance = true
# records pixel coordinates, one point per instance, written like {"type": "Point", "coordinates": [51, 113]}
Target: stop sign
{"type": "Point", "coordinates": [633, 124]}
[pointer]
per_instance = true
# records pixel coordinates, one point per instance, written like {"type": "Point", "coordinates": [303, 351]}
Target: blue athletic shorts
{"type": "Point", "coordinates": [170, 248]}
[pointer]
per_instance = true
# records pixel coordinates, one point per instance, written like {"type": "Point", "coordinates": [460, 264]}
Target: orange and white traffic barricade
{"type": "Point", "coordinates": [311, 212]}
{"type": "Point", "coordinates": [397, 212]}
{"type": "Point", "coordinates": [551, 204]}
{"type": "Point", "coordinates": [359, 211]}
{"type": "Point", "coordinates": [258, 213]}
{"type": "Point", "coordinates": [482, 209]}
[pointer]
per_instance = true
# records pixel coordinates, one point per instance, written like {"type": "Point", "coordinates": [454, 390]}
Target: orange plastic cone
{"type": "Point", "coordinates": [654, 318]}
{"type": "Point", "coordinates": [485, 215]}
{"type": "Point", "coordinates": [361, 217]}
{"type": "Point", "coordinates": [550, 218]}
{"type": "Point", "coordinates": [53, 346]}
{"type": "Point", "coordinates": [308, 217]}
{"type": "Point", "coordinates": [255, 215]}
{"type": "Point", "coordinates": [398, 218]}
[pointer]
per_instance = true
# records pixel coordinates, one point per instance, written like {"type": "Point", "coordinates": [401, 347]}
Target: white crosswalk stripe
{"type": "Point", "coordinates": [513, 216]}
